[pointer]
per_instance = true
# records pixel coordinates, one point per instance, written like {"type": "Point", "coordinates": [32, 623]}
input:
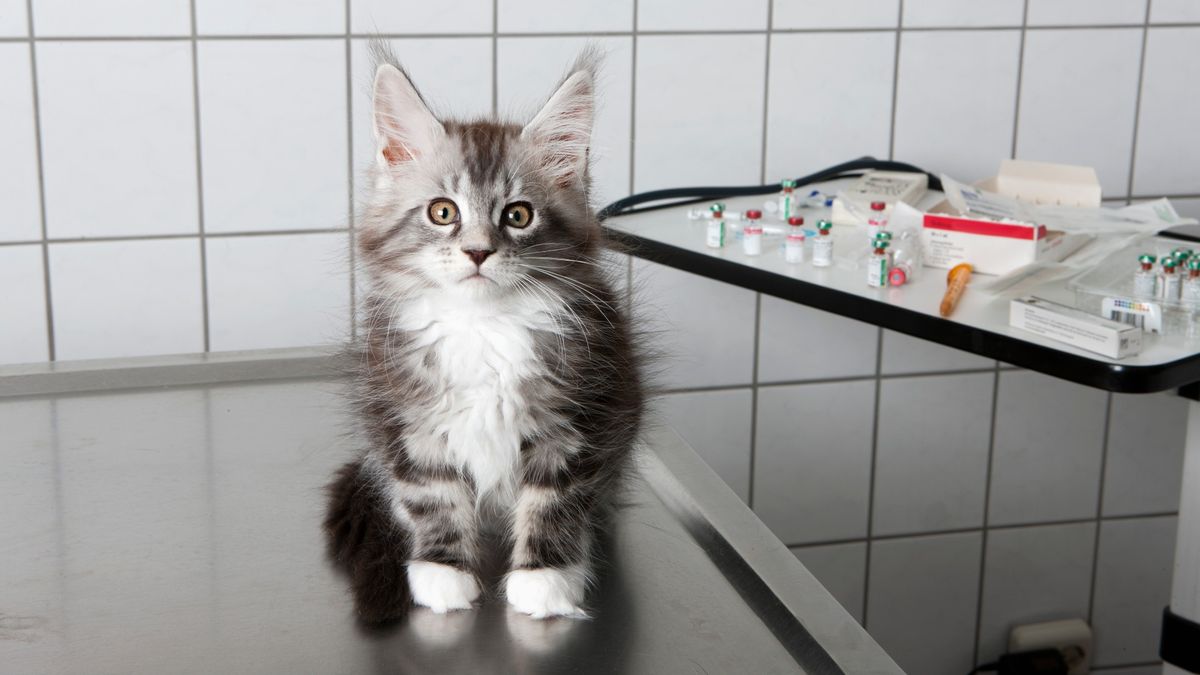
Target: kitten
{"type": "Point", "coordinates": [498, 377]}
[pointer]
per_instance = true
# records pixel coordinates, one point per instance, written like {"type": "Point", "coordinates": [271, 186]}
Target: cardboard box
{"type": "Point", "coordinates": [991, 246]}
{"type": "Point", "coordinates": [1075, 327]}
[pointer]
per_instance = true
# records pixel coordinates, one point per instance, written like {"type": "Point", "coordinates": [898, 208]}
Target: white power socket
{"type": "Point", "coordinates": [1072, 637]}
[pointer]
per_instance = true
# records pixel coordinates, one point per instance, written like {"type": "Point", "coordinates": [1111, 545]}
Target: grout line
{"type": "Point", "coordinates": [495, 52]}
{"type": "Point", "coordinates": [1108, 408]}
{"type": "Point", "coordinates": [633, 102]}
{"type": "Point", "coordinates": [874, 459]}
{"type": "Point", "coordinates": [754, 400]}
{"type": "Point", "coordinates": [1020, 78]}
{"type": "Point", "coordinates": [175, 235]}
{"type": "Point", "coordinates": [987, 505]}
{"type": "Point", "coordinates": [1137, 108]}
{"type": "Point", "coordinates": [350, 189]}
{"type": "Point", "coordinates": [199, 181]}
{"type": "Point", "coordinates": [828, 380]}
{"type": "Point", "coordinates": [41, 179]}
{"type": "Point", "coordinates": [766, 92]}
{"type": "Point", "coordinates": [895, 81]}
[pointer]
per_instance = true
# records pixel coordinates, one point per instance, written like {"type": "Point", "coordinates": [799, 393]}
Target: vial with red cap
{"type": "Point", "coordinates": [793, 244]}
{"type": "Point", "coordinates": [876, 220]}
{"type": "Point", "coordinates": [752, 233]}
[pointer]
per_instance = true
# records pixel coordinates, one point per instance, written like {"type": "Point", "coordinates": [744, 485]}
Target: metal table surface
{"type": "Point", "coordinates": [177, 529]}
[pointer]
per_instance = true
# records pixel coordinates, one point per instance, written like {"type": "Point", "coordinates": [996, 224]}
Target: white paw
{"type": "Point", "coordinates": [546, 592]}
{"type": "Point", "coordinates": [441, 588]}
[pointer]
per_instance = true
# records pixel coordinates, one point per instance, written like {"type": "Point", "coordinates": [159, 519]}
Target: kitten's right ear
{"type": "Point", "coordinates": [404, 128]}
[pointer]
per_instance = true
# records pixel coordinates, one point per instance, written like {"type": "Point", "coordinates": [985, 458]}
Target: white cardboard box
{"type": "Point", "coordinates": [1075, 327]}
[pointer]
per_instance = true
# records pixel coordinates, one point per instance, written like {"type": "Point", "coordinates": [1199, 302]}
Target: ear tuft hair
{"type": "Point", "coordinates": [405, 129]}
{"type": "Point", "coordinates": [562, 129]}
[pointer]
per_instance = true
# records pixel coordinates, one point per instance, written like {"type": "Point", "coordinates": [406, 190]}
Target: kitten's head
{"type": "Point", "coordinates": [480, 207]}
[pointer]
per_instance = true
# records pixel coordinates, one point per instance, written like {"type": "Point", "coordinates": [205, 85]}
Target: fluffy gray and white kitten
{"type": "Point", "coordinates": [498, 379]}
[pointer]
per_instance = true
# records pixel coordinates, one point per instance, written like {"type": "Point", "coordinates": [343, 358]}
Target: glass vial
{"type": "Point", "coordinates": [752, 234]}
{"type": "Point", "coordinates": [793, 245]}
{"type": "Point", "coordinates": [823, 245]}
{"type": "Point", "coordinates": [1171, 286]}
{"type": "Point", "coordinates": [787, 199]}
{"type": "Point", "coordinates": [878, 263]}
{"type": "Point", "coordinates": [1145, 279]}
{"type": "Point", "coordinates": [715, 237]}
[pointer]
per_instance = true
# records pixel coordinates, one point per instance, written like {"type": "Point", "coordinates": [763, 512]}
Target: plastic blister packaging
{"type": "Point", "coordinates": [1112, 279]}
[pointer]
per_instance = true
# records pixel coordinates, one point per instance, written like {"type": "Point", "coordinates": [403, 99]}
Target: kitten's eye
{"type": "Point", "coordinates": [443, 211]}
{"type": "Point", "coordinates": [517, 215]}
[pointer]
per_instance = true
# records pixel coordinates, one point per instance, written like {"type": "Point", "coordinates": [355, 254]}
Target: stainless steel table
{"type": "Point", "coordinates": [160, 517]}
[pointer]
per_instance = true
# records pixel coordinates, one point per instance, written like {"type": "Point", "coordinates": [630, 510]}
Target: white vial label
{"type": "Point", "coordinates": [752, 241]}
{"type": "Point", "coordinates": [716, 234]}
{"type": "Point", "coordinates": [1171, 287]}
{"type": "Point", "coordinates": [1191, 291]}
{"type": "Point", "coordinates": [823, 251]}
{"type": "Point", "coordinates": [877, 269]}
{"type": "Point", "coordinates": [793, 249]}
{"type": "Point", "coordinates": [1145, 283]}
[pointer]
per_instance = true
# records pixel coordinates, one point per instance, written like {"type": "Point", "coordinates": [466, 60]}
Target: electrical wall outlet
{"type": "Point", "coordinates": [1071, 637]}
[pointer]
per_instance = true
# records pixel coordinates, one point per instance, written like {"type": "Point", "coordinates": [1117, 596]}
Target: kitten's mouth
{"type": "Point", "coordinates": [476, 278]}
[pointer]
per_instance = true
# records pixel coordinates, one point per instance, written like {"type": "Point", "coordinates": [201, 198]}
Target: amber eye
{"type": "Point", "coordinates": [443, 211]}
{"type": "Point", "coordinates": [517, 215]}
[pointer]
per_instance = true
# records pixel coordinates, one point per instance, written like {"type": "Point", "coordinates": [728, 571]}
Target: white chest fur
{"type": "Point", "coordinates": [483, 357]}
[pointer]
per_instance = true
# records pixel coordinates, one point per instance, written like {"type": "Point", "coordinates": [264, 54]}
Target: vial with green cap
{"type": "Point", "coordinates": [787, 199]}
{"type": "Point", "coordinates": [1170, 285]}
{"type": "Point", "coordinates": [1145, 279]}
{"type": "Point", "coordinates": [823, 245]}
{"type": "Point", "coordinates": [1191, 286]}
{"type": "Point", "coordinates": [715, 236]}
{"type": "Point", "coordinates": [878, 263]}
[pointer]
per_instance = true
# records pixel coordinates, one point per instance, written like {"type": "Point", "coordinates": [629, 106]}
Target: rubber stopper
{"type": "Point", "coordinates": [754, 214]}
{"type": "Point", "coordinates": [795, 220]}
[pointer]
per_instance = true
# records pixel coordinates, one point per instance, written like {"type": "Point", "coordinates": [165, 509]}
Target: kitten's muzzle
{"type": "Point", "coordinates": [478, 255]}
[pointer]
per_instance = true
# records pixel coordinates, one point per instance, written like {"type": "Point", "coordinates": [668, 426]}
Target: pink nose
{"type": "Point", "coordinates": [478, 254]}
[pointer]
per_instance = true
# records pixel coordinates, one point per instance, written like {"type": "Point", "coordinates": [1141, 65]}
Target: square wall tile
{"type": "Point", "coordinates": [1085, 12]}
{"type": "Point", "coordinates": [1166, 132]}
{"type": "Point", "coordinates": [702, 344]}
{"type": "Point", "coordinates": [852, 116]}
{"type": "Point", "coordinates": [1034, 574]}
{"type": "Point", "coordinates": [932, 477]}
{"type": "Point", "coordinates": [903, 354]}
{"type": "Point", "coordinates": [420, 16]}
{"type": "Point", "coordinates": [675, 73]}
{"type": "Point", "coordinates": [23, 312]}
{"type": "Point", "coordinates": [63, 18]}
{"type": "Point", "coordinates": [702, 15]}
{"type": "Point", "coordinates": [126, 298]}
{"type": "Point", "coordinates": [835, 14]}
{"type": "Point", "coordinates": [528, 70]}
{"type": "Point", "coordinates": [1046, 459]}
{"type": "Point", "coordinates": [21, 217]}
{"type": "Point", "coordinates": [924, 13]}
{"type": "Point", "coordinates": [922, 599]}
{"type": "Point", "coordinates": [13, 21]}
{"type": "Point", "coordinates": [304, 300]}
{"type": "Point", "coordinates": [1133, 584]}
{"type": "Point", "coordinates": [1145, 454]}
{"type": "Point", "coordinates": [841, 569]}
{"type": "Point", "coordinates": [549, 16]}
{"type": "Point", "coordinates": [717, 426]}
{"type": "Point", "coordinates": [118, 138]}
{"type": "Point", "coordinates": [273, 134]}
{"type": "Point", "coordinates": [1081, 120]}
{"type": "Point", "coordinates": [454, 76]}
{"type": "Point", "coordinates": [801, 343]}
{"type": "Point", "coordinates": [954, 110]}
{"type": "Point", "coordinates": [270, 17]}
{"type": "Point", "coordinates": [812, 468]}
{"type": "Point", "coordinates": [1174, 11]}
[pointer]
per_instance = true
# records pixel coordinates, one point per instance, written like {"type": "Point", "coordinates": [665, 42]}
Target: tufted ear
{"type": "Point", "coordinates": [404, 128]}
{"type": "Point", "coordinates": [561, 132]}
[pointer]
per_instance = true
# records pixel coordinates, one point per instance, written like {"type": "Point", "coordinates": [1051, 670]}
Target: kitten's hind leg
{"type": "Point", "coordinates": [364, 538]}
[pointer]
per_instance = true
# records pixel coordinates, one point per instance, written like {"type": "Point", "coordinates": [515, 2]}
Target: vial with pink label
{"type": "Point", "coordinates": [752, 234]}
{"type": "Point", "coordinates": [876, 220]}
{"type": "Point", "coordinates": [793, 245]}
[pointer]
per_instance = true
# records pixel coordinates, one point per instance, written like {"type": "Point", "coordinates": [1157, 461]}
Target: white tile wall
{"type": "Point", "coordinates": [717, 426]}
{"type": "Point", "coordinates": [20, 218]}
{"type": "Point", "coordinates": [813, 460]}
{"type": "Point", "coordinates": [1133, 584]}
{"type": "Point", "coordinates": [1034, 574]}
{"type": "Point", "coordinates": [260, 174]}
{"type": "Point", "coordinates": [677, 73]}
{"type": "Point", "coordinates": [270, 17]}
{"type": "Point", "coordinates": [126, 298]}
{"type": "Point", "coordinates": [1081, 120]}
{"type": "Point", "coordinates": [528, 69]}
{"type": "Point", "coordinates": [23, 311]}
{"type": "Point", "coordinates": [801, 343]}
{"type": "Point", "coordinates": [922, 599]}
{"type": "Point", "coordinates": [925, 13]}
{"type": "Point", "coordinates": [413, 17]}
{"type": "Point", "coordinates": [1174, 11]}
{"type": "Point", "coordinates": [853, 73]}
{"type": "Point", "coordinates": [549, 16]}
{"type": "Point", "coordinates": [810, 14]}
{"type": "Point", "coordinates": [126, 166]}
{"type": "Point", "coordinates": [1145, 452]}
{"type": "Point", "coordinates": [13, 21]}
{"type": "Point", "coordinates": [702, 15]}
{"type": "Point", "coordinates": [284, 291]}
{"type": "Point", "coordinates": [1046, 461]}
{"type": "Point", "coordinates": [931, 477]}
{"type": "Point", "coordinates": [903, 354]}
{"type": "Point", "coordinates": [954, 102]}
{"type": "Point", "coordinates": [1165, 130]}
{"type": "Point", "coordinates": [841, 569]}
{"type": "Point", "coordinates": [62, 18]}
{"type": "Point", "coordinates": [1085, 12]}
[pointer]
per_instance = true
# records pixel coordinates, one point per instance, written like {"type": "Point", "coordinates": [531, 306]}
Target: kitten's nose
{"type": "Point", "coordinates": [478, 254]}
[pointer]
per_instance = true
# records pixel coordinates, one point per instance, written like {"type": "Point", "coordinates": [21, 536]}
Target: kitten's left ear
{"type": "Point", "coordinates": [561, 132]}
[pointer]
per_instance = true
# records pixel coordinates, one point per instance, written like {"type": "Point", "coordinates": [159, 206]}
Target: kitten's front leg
{"type": "Point", "coordinates": [552, 548]}
{"type": "Point", "coordinates": [440, 511]}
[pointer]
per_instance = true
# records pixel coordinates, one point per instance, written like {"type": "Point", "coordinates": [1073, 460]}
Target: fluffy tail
{"type": "Point", "coordinates": [365, 541]}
